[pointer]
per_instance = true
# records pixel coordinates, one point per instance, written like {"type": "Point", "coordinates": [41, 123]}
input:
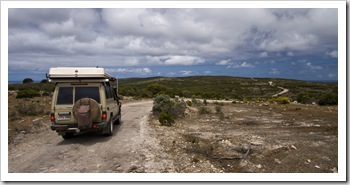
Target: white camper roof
{"type": "Point", "coordinates": [78, 72]}
{"type": "Point", "coordinates": [81, 74]}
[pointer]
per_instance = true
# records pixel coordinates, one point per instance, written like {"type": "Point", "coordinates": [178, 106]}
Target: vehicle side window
{"type": "Point", "coordinates": [108, 91]}
{"type": "Point", "coordinates": [87, 92]}
{"type": "Point", "coordinates": [65, 95]}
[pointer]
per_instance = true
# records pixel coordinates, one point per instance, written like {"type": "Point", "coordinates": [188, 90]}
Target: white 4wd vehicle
{"type": "Point", "coordinates": [84, 99]}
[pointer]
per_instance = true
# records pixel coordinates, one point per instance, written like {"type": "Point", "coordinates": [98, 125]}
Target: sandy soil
{"type": "Point", "coordinates": [254, 137]}
{"type": "Point", "coordinates": [132, 148]}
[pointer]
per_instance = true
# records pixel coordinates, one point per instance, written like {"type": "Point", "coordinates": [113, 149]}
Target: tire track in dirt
{"type": "Point", "coordinates": [132, 148]}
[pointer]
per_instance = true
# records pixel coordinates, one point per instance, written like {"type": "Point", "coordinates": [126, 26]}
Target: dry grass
{"type": "Point", "coordinates": [26, 115]}
{"type": "Point", "coordinates": [253, 138]}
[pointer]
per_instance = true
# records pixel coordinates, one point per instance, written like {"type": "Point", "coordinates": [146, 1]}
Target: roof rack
{"type": "Point", "coordinates": [78, 73]}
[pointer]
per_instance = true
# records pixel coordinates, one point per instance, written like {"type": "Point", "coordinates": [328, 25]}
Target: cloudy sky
{"type": "Point", "coordinates": [276, 43]}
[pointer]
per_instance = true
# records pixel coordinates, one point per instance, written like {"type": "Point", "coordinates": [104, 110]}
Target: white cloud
{"type": "Point", "coordinates": [313, 67]}
{"type": "Point", "coordinates": [274, 71]}
{"type": "Point", "coordinates": [175, 60]}
{"type": "Point", "coordinates": [331, 75]}
{"type": "Point", "coordinates": [207, 72]}
{"type": "Point", "coordinates": [241, 65]}
{"type": "Point", "coordinates": [224, 62]}
{"type": "Point", "coordinates": [168, 37]}
{"type": "Point", "coordinates": [263, 54]}
{"type": "Point", "coordinates": [186, 73]}
{"type": "Point", "coordinates": [140, 71]}
{"type": "Point", "coordinates": [333, 54]}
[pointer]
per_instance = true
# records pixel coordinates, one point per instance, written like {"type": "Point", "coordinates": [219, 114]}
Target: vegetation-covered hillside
{"type": "Point", "coordinates": [209, 87]}
{"type": "Point", "coordinates": [224, 87]}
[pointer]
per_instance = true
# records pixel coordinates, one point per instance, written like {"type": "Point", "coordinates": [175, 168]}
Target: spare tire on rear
{"type": "Point", "coordinates": [86, 111]}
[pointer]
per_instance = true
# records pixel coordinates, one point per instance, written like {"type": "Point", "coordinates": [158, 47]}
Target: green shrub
{"type": "Point", "coordinates": [281, 100]}
{"type": "Point", "coordinates": [196, 102]}
{"type": "Point", "coordinates": [30, 109]}
{"type": "Point", "coordinates": [178, 110]}
{"type": "Point", "coordinates": [328, 99]}
{"type": "Point", "coordinates": [189, 103]}
{"type": "Point", "coordinates": [28, 93]}
{"type": "Point", "coordinates": [27, 81]}
{"type": "Point", "coordinates": [166, 119]}
{"type": "Point", "coordinates": [157, 89]}
{"type": "Point", "coordinates": [203, 110]}
{"type": "Point", "coordinates": [218, 103]}
{"type": "Point", "coordinates": [13, 116]}
{"type": "Point", "coordinates": [218, 108]}
{"type": "Point", "coordinates": [305, 98]}
{"type": "Point", "coordinates": [221, 115]}
{"type": "Point", "coordinates": [163, 103]}
{"type": "Point", "coordinates": [205, 102]}
{"type": "Point", "coordinates": [46, 94]}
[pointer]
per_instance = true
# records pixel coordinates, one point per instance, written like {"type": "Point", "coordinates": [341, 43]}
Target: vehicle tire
{"type": "Point", "coordinates": [118, 121]}
{"type": "Point", "coordinates": [110, 128]}
{"type": "Point", "coordinates": [68, 135]}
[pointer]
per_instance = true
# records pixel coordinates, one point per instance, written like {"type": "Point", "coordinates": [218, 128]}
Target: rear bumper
{"type": "Point", "coordinates": [74, 127]}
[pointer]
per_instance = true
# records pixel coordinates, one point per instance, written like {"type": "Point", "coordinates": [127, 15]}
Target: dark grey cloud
{"type": "Point", "coordinates": [34, 17]}
{"type": "Point", "coordinates": [168, 37]}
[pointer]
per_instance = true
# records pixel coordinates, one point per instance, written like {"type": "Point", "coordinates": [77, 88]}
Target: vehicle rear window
{"type": "Point", "coordinates": [87, 92]}
{"type": "Point", "coordinates": [65, 95]}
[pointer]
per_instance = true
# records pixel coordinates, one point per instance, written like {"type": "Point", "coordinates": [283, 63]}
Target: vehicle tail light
{"type": "Point", "coordinates": [52, 117]}
{"type": "Point", "coordinates": [104, 115]}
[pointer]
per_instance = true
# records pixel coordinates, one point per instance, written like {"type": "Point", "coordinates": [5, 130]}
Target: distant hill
{"type": "Point", "coordinates": [222, 87]}
{"type": "Point", "coordinates": [217, 87]}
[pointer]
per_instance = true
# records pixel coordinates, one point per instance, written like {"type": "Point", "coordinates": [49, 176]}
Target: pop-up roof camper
{"type": "Point", "coordinates": [78, 72]}
{"type": "Point", "coordinates": [81, 74]}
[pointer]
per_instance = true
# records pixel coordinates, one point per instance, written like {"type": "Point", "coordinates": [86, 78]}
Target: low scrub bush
{"type": "Point", "coordinates": [203, 110]}
{"type": "Point", "coordinates": [205, 102]}
{"type": "Point", "coordinates": [218, 108]}
{"type": "Point", "coordinates": [189, 103]}
{"type": "Point", "coordinates": [328, 99]}
{"type": "Point", "coordinates": [28, 93]}
{"type": "Point", "coordinates": [218, 103]}
{"type": "Point", "coordinates": [281, 100]}
{"type": "Point", "coordinates": [196, 102]}
{"type": "Point", "coordinates": [45, 94]}
{"type": "Point", "coordinates": [13, 116]}
{"type": "Point", "coordinates": [167, 109]}
{"type": "Point", "coordinates": [166, 119]}
{"type": "Point", "coordinates": [306, 98]}
{"type": "Point", "coordinates": [219, 112]}
{"type": "Point", "coordinates": [30, 109]}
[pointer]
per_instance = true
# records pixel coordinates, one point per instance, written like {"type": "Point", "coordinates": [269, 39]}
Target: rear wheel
{"type": "Point", "coordinates": [118, 121]}
{"type": "Point", "coordinates": [109, 128]}
{"type": "Point", "coordinates": [68, 135]}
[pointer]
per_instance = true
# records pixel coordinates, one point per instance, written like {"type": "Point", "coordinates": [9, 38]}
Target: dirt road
{"type": "Point", "coordinates": [284, 90]}
{"type": "Point", "coordinates": [130, 149]}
